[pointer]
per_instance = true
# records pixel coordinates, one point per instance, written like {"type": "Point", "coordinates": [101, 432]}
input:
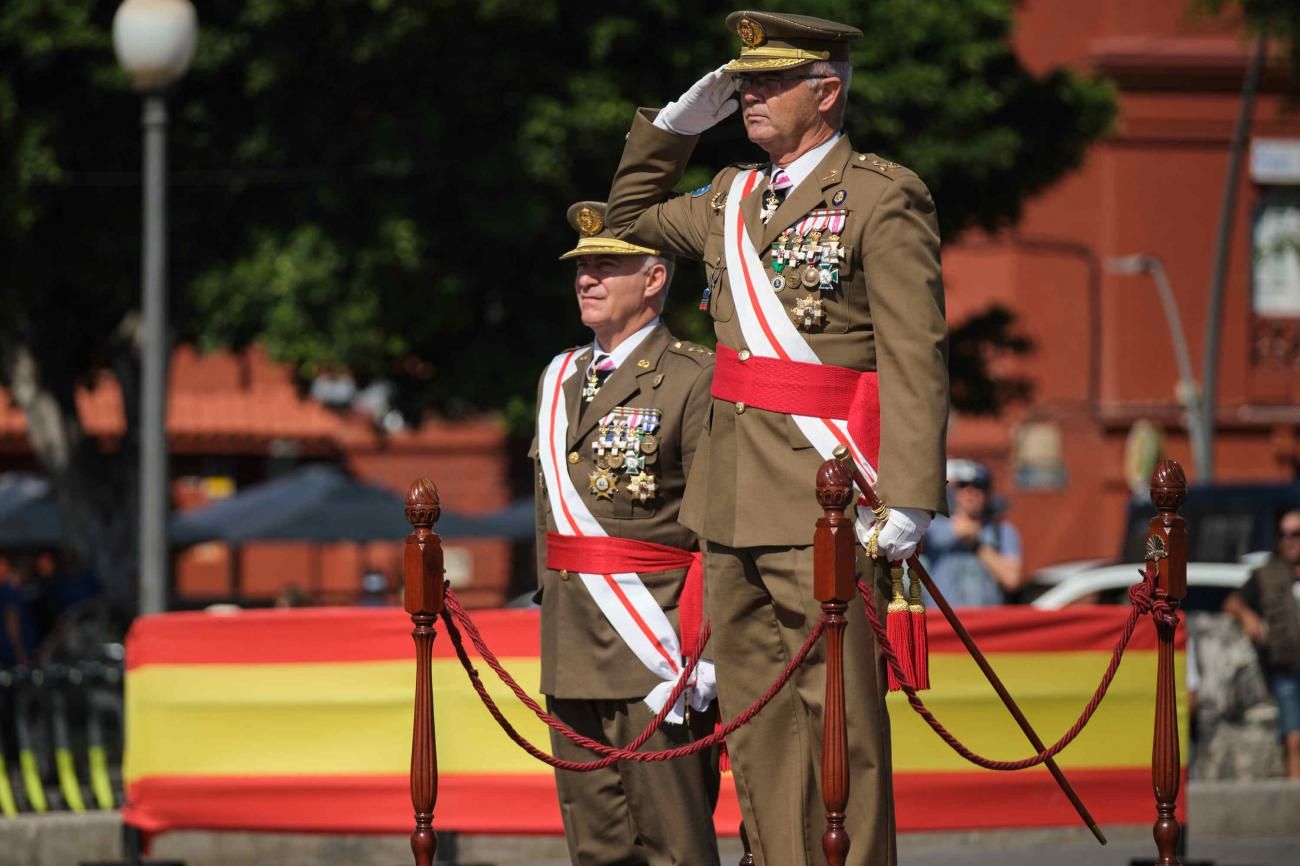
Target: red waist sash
{"type": "Point", "coordinates": [799, 388]}
{"type": "Point", "coordinates": [590, 554]}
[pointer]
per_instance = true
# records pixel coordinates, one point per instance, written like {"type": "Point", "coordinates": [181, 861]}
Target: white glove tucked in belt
{"type": "Point", "coordinates": [701, 107]}
{"type": "Point", "coordinates": [902, 532]}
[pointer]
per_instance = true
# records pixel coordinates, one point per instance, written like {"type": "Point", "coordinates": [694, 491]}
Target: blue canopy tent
{"type": "Point", "coordinates": [317, 503]}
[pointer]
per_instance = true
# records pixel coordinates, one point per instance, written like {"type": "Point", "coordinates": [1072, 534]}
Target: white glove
{"type": "Point", "coordinates": [902, 532]}
{"type": "Point", "coordinates": [701, 107]}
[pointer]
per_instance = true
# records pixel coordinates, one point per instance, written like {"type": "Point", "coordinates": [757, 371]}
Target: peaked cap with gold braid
{"type": "Point", "coordinates": [594, 238]}
{"type": "Point", "coordinates": [775, 40]}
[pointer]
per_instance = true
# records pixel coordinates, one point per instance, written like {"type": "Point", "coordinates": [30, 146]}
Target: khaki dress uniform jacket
{"type": "Point", "coordinates": [887, 315]}
{"type": "Point", "coordinates": [752, 493]}
{"type": "Point", "coordinates": [658, 814]}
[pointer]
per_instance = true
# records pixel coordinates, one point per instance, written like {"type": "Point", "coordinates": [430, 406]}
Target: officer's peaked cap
{"type": "Point", "coordinates": [594, 236]}
{"type": "Point", "coordinates": [776, 40]}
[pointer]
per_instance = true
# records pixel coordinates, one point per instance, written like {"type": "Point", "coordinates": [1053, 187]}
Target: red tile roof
{"type": "Point", "coordinates": [221, 402]}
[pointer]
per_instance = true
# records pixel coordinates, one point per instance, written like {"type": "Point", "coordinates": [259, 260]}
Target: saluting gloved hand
{"type": "Point", "coordinates": [902, 532]}
{"type": "Point", "coordinates": [701, 107]}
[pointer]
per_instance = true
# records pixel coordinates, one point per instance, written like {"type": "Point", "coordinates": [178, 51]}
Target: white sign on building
{"type": "Point", "coordinates": [1275, 160]}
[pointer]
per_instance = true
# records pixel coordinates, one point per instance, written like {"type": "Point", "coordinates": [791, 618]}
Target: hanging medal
{"type": "Point", "coordinates": [779, 251]}
{"type": "Point", "coordinates": [642, 487]}
{"type": "Point", "coordinates": [814, 248]}
{"type": "Point", "coordinates": [808, 313]}
{"type": "Point", "coordinates": [810, 277]}
{"type": "Point", "coordinates": [834, 255]}
{"type": "Point", "coordinates": [708, 290]}
{"type": "Point", "coordinates": [603, 484]}
{"type": "Point", "coordinates": [827, 276]}
{"type": "Point", "coordinates": [771, 201]}
{"type": "Point", "coordinates": [591, 386]}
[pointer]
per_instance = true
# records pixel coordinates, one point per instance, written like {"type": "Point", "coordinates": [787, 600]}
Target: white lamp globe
{"type": "Point", "coordinates": [154, 40]}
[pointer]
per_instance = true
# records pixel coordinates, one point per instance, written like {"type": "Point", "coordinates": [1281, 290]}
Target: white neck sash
{"type": "Point", "coordinates": [623, 598]}
{"type": "Point", "coordinates": [770, 333]}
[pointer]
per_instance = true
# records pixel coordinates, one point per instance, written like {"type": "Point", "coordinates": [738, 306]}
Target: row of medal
{"type": "Point", "coordinates": [801, 249]}
{"type": "Point", "coordinates": [624, 439]}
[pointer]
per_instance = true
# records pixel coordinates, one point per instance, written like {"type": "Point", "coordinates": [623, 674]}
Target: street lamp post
{"type": "Point", "coordinates": [154, 41]}
{"type": "Point", "coordinates": [1187, 390]}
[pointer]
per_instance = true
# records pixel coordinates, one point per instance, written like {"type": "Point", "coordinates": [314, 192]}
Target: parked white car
{"type": "Point", "coordinates": [1207, 583]}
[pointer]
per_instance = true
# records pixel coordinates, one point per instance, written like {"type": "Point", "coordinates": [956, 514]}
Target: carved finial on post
{"type": "Point", "coordinates": [1166, 555]}
{"type": "Point", "coordinates": [834, 570]}
{"type": "Point", "coordinates": [423, 578]}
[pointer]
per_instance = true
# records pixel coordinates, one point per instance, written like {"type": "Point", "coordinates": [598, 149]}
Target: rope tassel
{"type": "Point", "coordinates": [898, 626]}
{"type": "Point", "coordinates": [920, 635]}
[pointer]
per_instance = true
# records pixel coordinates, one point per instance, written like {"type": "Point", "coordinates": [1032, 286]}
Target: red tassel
{"type": "Point", "coordinates": [920, 637]}
{"type": "Point", "coordinates": [898, 627]}
{"type": "Point", "coordinates": [724, 760]}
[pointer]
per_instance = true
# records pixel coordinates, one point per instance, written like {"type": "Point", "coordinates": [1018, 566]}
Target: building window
{"type": "Point", "coordinates": [1275, 253]}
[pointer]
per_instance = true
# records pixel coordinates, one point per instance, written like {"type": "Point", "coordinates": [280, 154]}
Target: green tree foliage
{"type": "Point", "coordinates": [379, 185]}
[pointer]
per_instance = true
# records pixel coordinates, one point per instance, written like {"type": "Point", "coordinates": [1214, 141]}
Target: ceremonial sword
{"type": "Point", "coordinates": [873, 501]}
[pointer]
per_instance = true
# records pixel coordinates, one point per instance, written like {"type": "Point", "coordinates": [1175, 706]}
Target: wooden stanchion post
{"type": "Point", "coordinates": [423, 577]}
{"type": "Point", "coordinates": [834, 579]}
{"type": "Point", "coordinates": [1166, 556]}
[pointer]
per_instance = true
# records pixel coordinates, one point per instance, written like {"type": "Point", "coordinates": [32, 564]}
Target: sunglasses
{"type": "Point", "coordinates": [1290, 535]}
{"type": "Point", "coordinates": [975, 484]}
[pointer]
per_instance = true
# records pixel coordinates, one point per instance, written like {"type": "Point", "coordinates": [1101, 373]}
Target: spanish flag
{"type": "Point", "coordinates": [300, 720]}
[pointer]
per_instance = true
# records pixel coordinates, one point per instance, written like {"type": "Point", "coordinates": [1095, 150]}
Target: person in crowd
{"type": "Point", "coordinates": [617, 425]}
{"type": "Point", "coordinates": [973, 555]}
{"type": "Point", "coordinates": [1268, 609]}
{"type": "Point", "coordinates": [17, 629]}
{"type": "Point", "coordinates": [824, 283]}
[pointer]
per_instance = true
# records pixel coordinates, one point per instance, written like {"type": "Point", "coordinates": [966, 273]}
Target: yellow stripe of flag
{"type": "Point", "coordinates": [355, 718]}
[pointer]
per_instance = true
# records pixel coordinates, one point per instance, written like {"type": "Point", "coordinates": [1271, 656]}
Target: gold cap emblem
{"type": "Point", "coordinates": [750, 32]}
{"type": "Point", "coordinates": [589, 222]}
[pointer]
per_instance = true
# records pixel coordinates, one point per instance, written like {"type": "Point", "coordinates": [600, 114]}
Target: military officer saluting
{"type": "Point", "coordinates": [617, 425]}
{"type": "Point", "coordinates": [825, 289]}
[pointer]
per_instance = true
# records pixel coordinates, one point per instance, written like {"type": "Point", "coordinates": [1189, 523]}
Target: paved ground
{"type": "Point", "coordinates": [1233, 824]}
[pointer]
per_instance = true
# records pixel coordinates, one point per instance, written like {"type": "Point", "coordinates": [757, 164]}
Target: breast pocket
{"type": "Point", "coordinates": [844, 305]}
{"type": "Point", "coordinates": [628, 507]}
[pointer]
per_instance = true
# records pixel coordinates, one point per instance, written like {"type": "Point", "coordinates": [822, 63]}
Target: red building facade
{"type": "Point", "coordinates": [1104, 357]}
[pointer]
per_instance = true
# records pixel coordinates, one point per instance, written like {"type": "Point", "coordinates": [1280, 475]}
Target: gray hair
{"type": "Point", "coordinates": [841, 69]}
{"type": "Point", "coordinates": [670, 265]}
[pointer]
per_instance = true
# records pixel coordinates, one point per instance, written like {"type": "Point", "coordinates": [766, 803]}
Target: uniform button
{"type": "Point", "coordinates": [564, 575]}
{"type": "Point", "coordinates": [744, 355]}
{"type": "Point", "coordinates": [740, 408]}
{"type": "Point", "coordinates": [574, 457]}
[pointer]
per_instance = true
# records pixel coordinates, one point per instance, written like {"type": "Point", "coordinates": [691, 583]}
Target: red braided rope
{"type": "Point", "coordinates": [1145, 596]}
{"type": "Point", "coordinates": [480, 646]}
{"type": "Point", "coordinates": [612, 754]}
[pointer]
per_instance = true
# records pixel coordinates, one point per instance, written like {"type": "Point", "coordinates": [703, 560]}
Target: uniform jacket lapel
{"type": "Point", "coordinates": [809, 195]}
{"type": "Point", "coordinates": [573, 390]}
{"type": "Point", "coordinates": [622, 384]}
{"type": "Point", "coordinates": [751, 207]}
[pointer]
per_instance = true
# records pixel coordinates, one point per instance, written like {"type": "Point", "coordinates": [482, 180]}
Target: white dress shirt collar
{"type": "Point", "coordinates": [803, 166]}
{"type": "Point", "coordinates": [625, 348]}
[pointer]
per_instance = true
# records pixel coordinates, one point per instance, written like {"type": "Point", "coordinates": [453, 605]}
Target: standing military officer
{"type": "Point", "coordinates": [823, 280]}
{"type": "Point", "coordinates": [617, 426]}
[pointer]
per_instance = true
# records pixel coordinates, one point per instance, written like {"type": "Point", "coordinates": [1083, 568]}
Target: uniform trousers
{"type": "Point", "coordinates": [761, 602]}
{"type": "Point", "coordinates": [658, 813]}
